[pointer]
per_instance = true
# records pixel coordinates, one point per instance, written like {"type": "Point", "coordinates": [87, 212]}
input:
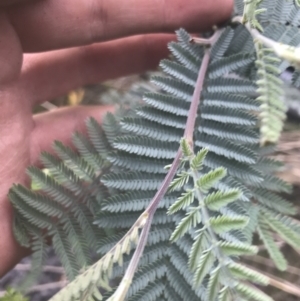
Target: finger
{"type": "Point", "coordinates": [57, 72]}
{"type": "Point", "coordinates": [52, 24]}
{"type": "Point", "coordinates": [59, 125]}
{"type": "Point", "coordinates": [10, 51]}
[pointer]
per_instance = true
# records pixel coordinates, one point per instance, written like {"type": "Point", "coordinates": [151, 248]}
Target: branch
{"type": "Point", "coordinates": [284, 51]}
{"type": "Point", "coordinates": [122, 290]}
{"type": "Point", "coordinates": [192, 115]}
{"type": "Point", "coordinates": [210, 41]}
{"type": "Point", "coordinates": [46, 268]}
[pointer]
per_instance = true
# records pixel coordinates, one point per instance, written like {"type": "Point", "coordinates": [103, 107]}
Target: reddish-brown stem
{"type": "Point", "coordinates": [188, 135]}
{"type": "Point", "coordinates": [190, 124]}
{"type": "Point", "coordinates": [210, 41]}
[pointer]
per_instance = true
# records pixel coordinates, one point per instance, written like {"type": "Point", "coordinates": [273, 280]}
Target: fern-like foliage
{"type": "Point", "coordinates": [63, 205]}
{"type": "Point", "coordinates": [271, 95]}
{"type": "Point", "coordinates": [278, 21]}
{"type": "Point", "coordinates": [210, 257]}
{"type": "Point", "coordinates": [98, 275]}
{"type": "Point", "coordinates": [92, 197]}
{"type": "Point", "coordinates": [223, 110]}
{"type": "Point", "coordinates": [251, 11]}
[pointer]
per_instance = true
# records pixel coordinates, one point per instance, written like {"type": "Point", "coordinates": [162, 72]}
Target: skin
{"type": "Point", "coordinates": [49, 47]}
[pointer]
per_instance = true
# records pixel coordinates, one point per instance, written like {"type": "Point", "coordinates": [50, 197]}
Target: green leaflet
{"type": "Point", "coordinates": [213, 285]}
{"type": "Point", "coordinates": [186, 148]}
{"type": "Point", "coordinates": [252, 293]}
{"type": "Point", "coordinates": [251, 11]}
{"type": "Point", "coordinates": [234, 249]}
{"type": "Point", "coordinates": [39, 248]}
{"type": "Point", "coordinates": [225, 223]}
{"type": "Point", "coordinates": [217, 200]}
{"type": "Point", "coordinates": [204, 265]}
{"type": "Point", "coordinates": [245, 273]}
{"type": "Point", "coordinates": [273, 201]}
{"type": "Point", "coordinates": [200, 244]}
{"type": "Point", "coordinates": [146, 147]}
{"type": "Point", "coordinates": [274, 251]}
{"type": "Point", "coordinates": [185, 200]}
{"type": "Point", "coordinates": [98, 274]}
{"type": "Point", "coordinates": [179, 182]}
{"type": "Point", "coordinates": [273, 110]}
{"type": "Point", "coordinates": [208, 180]}
{"type": "Point", "coordinates": [288, 234]}
{"type": "Point", "coordinates": [225, 294]}
{"type": "Point", "coordinates": [197, 161]}
{"type": "Point", "coordinates": [191, 220]}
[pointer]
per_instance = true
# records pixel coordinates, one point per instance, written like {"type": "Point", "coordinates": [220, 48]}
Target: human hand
{"type": "Point", "coordinates": [130, 32]}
